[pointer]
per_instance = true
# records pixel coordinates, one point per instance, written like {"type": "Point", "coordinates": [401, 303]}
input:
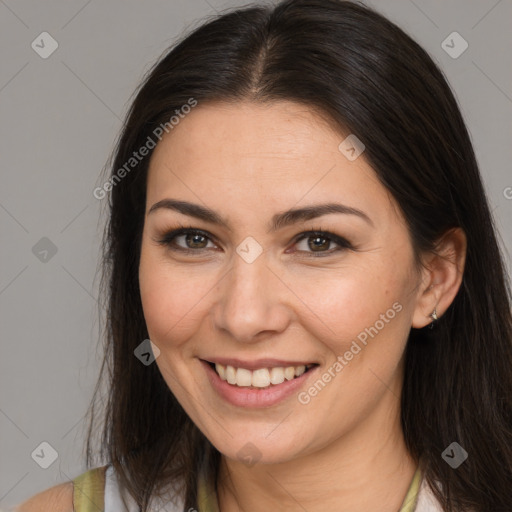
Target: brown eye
{"type": "Point", "coordinates": [186, 240]}
{"type": "Point", "coordinates": [317, 243]}
{"type": "Point", "coordinates": [195, 241]}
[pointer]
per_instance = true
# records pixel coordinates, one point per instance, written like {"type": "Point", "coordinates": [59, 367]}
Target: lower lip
{"type": "Point", "coordinates": [251, 397]}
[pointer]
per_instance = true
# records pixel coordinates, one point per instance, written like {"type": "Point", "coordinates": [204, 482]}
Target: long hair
{"type": "Point", "coordinates": [368, 77]}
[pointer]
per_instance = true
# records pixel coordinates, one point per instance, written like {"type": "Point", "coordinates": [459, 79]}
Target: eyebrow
{"type": "Point", "coordinates": [279, 220]}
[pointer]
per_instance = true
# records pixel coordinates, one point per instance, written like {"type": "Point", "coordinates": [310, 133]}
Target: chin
{"type": "Point", "coordinates": [258, 449]}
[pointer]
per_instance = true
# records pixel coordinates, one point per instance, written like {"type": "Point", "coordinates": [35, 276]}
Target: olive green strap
{"type": "Point", "coordinates": [206, 495]}
{"type": "Point", "coordinates": [411, 498]}
{"type": "Point", "coordinates": [89, 491]}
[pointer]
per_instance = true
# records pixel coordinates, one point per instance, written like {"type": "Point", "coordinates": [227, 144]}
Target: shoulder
{"type": "Point", "coordinates": [55, 499]}
{"type": "Point", "coordinates": [80, 492]}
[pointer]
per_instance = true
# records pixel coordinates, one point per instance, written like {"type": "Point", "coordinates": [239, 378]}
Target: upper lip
{"type": "Point", "coordinates": [256, 364]}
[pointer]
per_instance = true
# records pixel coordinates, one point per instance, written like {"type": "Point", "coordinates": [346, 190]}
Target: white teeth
{"type": "Point", "coordinates": [244, 377]}
{"type": "Point", "coordinates": [221, 371]}
{"type": "Point", "coordinates": [260, 378]}
{"type": "Point", "coordinates": [277, 376]}
{"type": "Point", "coordinates": [289, 373]}
{"type": "Point", "coordinates": [299, 370]}
{"type": "Point", "coordinates": [230, 374]}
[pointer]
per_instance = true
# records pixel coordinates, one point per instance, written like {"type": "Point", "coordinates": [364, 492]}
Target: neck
{"type": "Point", "coordinates": [368, 468]}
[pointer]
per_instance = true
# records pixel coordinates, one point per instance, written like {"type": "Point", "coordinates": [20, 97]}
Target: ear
{"type": "Point", "coordinates": [441, 277]}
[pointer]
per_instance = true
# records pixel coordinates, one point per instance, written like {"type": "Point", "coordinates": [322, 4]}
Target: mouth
{"type": "Point", "coordinates": [259, 378]}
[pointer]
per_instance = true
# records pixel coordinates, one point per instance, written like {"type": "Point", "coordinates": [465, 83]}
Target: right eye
{"type": "Point", "coordinates": [193, 240]}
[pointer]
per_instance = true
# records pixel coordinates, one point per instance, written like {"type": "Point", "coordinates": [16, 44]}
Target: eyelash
{"type": "Point", "coordinates": [168, 238]}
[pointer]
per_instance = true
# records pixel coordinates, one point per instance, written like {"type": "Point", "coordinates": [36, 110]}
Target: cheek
{"type": "Point", "coordinates": [173, 300]}
{"type": "Point", "coordinates": [363, 315]}
{"type": "Point", "coordinates": [343, 302]}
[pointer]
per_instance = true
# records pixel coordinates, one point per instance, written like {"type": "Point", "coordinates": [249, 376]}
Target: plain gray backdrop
{"type": "Point", "coordinates": [59, 117]}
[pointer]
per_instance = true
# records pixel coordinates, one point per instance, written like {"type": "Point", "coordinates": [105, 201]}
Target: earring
{"type": "Point", "coordinates": [433, 315]}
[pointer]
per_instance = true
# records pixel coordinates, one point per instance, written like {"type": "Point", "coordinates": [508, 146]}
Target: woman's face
{"type": "Point", "coordinates": [252, 292]}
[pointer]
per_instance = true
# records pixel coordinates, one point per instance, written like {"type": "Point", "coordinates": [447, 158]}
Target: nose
{"type": "Point", "coordinates": [251, 302]}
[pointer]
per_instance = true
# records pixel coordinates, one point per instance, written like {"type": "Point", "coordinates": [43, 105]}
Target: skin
{"type": "Point", "coordinates": [344, 450]}
{"type": "Point", "coordinates": [58, 498]}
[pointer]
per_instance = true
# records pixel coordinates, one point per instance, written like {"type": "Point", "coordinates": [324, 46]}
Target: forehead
{"type": "Point", "coordinates": [248, 130]}
{"type": "Point", "coordinates": [257, 154]}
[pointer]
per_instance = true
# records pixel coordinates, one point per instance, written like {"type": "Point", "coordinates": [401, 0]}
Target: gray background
{"type": "Point", "coordinates": [58, 121]}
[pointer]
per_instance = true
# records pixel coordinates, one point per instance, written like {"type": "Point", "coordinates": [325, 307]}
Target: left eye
{"type": "Point", "coordinates": [317, 241]}
{"type": "Point", "coordinates": [195, 241]}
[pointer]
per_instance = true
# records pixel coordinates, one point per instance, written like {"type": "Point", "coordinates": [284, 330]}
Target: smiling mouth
{"type": "Point", "coordinates": [260, 378]}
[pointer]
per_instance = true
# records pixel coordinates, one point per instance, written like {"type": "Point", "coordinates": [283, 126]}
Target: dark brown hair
{"type": "Point", "coordinates": [371, 79]}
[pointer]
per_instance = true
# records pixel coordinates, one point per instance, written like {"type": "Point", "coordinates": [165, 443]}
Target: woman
{"type": "Point", "coordinates": [298, 224]}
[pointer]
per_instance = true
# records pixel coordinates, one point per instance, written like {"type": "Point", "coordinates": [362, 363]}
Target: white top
{"type": "Point", "coordinates": [116, 501]}
{"type": "Point", "coordinates": [427, 502]}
